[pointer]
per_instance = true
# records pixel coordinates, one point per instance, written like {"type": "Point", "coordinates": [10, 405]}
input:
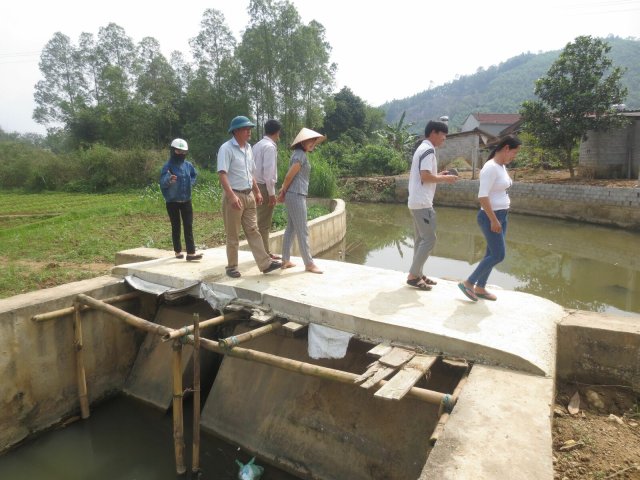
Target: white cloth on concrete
{"type": "Point", "coordinates": [326, 342]}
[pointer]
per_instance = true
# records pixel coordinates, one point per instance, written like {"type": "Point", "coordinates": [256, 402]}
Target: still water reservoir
{"type": "Point", "coordinates": [575, 265]}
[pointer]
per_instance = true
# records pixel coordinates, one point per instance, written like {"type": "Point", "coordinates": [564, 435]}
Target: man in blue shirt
{"type": "Point", "coordinates": [236, 170]}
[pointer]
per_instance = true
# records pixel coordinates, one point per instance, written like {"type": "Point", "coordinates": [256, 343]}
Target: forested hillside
{"type": "Point", "coordinates": [503, 88]}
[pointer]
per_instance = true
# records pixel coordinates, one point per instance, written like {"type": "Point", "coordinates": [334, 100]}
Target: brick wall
{"type": "Point", "coordinates": [607, 206]}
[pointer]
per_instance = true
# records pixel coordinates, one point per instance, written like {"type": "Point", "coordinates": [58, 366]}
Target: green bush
{"type": "Point", "coordinates": [323, 182]}
{"type": "Point", "coordinates": [375, 159]}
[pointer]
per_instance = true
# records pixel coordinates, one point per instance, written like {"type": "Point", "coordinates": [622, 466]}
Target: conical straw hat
{"type": "Point", "coordinates": [306, 134]}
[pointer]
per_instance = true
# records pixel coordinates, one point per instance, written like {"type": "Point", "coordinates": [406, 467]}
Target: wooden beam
{"type": "Point", "coordinates": [405, 379]}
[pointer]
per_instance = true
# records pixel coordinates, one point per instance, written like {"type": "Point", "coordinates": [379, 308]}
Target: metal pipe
{"type": "Point", "coordinates": [41, 317]}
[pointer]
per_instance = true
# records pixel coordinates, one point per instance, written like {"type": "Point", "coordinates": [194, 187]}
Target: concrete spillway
{"type": "Point", "coordinates": [502, 422]}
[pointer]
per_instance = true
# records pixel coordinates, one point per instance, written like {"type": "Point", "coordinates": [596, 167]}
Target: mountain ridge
{"type": "Point", "coordinates": [502, 88]}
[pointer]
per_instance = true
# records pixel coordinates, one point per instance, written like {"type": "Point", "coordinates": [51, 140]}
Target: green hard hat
{"type": "Point", "coordinates": [240, 122]}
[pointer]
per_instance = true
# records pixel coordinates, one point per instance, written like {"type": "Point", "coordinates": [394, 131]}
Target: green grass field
{"type": "Point", "coordinates": [49, 239]}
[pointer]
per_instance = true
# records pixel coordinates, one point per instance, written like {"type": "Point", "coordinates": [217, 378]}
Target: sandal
{"type": "Point", "coordinates": [470, 294]}
{"type": "Point", "coordinates": [287, 264]}
{"type": "Point", "coordinates": [272, 266]}
{"type": "Point", "coordinates": [486, 296]}
{"type": "Point", "coordinates": [179, 256]}
{"type": "Point", "coordinates": [428, 281]}
{"type": "Point", "coordinates": [233, 272]}
{"type": "Point", "coordinates": [418, 283]}
{"type": "Point", "coordinates": [193, 256]}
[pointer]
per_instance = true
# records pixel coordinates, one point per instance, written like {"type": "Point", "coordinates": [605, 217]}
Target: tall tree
{"type": "Point", "coordinates": [577, 95]}
{"type": "Point", "coordinates": [63, 91]}
{"type": "Point", "coordinates": [213, 44]}
{"type": "Point", "coordinates": [346, 111]}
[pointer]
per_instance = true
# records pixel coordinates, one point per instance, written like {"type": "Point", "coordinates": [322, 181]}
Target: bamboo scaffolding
{"type": "Point", "coordinates": [303, 368]}
{"type": "Point", "coordinates": [80, 372]}
{"type": "Point", "coordinates": [42, 317]}
{"type": "Point", "coordinates": [235, 340]}
{"type": "Point", "coordinates": [187, 330]}
{"type": "Point", "coordinates": [444, 416]}
{"type": "Point", "coordinates": [195, 453]}
{"type": "Point", "coordinates": [122, 315]}
{"type": "Point", "coordinates": [178, 426]}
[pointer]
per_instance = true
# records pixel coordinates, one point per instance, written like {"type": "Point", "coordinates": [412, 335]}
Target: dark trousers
{"type": "Point", "coordinates": [184, 210]}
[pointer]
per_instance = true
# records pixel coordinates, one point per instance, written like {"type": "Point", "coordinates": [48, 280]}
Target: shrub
{"type": "Point", "coordinates": [323, 181]}
{"type": "Point", "coordinates": [375, 159]}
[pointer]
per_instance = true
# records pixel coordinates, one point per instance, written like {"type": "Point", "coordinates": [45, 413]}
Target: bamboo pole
{"type": "Point", "coordinates": [444, 417]}
{"type": "Point", "coordinates": [178, 426]}
{"type": "Point", "coordinates": [122, 315]}
{"type": "Point", "coordinates": [187, 330]}
{"type": "Point", "coordinates": [303, 368]}
{"type": "Point", "coordinates": [195, 460]}
{"type": "Point", "coordinates": [309, 369]}
{"type": "Point", "coordinates": [41, 317]}
{"type": "Point", "coordinates": [80, 372]}
{"type": "Point", "coordinates": [234, 340]}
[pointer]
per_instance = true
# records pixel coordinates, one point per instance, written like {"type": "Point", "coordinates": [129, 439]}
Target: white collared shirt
{"type": "Point", "coordinates": [265, 156]}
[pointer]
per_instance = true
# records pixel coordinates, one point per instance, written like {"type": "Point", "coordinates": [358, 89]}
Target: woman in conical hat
{"type": "Point", "coordinates": [293, 193]}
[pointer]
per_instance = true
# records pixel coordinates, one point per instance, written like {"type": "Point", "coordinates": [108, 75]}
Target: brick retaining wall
{"type": "Point", "coordinates": [618, 207]}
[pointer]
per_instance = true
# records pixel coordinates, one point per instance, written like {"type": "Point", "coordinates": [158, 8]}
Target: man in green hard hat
{"type": "Point", "coordinates": [241, 196]}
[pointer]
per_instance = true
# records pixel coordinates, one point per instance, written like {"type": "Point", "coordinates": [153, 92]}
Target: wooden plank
{"type": "Point", "coordinates": [401, 383]}
{"type": "Point", "coordinates": [379, 350]}
{"type": "Point", "coordinates": [294, 329]}
{"type": "Point", "coordinates": [397, 357]}
{"type": "Point", "coordinates": [382, 373]}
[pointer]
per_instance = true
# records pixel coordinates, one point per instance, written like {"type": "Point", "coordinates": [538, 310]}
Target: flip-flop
{"type": "Point", "coordinates": [273, 266]}
{"type": "Point", "coordinates": [486, 296]}
{"type": "Point", "coordinates": [418, 283]}
{"type": "Point", "coordinates": [428, 281]}
{"type": "Point", "coordinates": [467, 292]}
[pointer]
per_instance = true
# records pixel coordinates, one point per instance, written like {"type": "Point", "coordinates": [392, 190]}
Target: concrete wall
{"type": "Point", "coordinates": [606, 206]}
{"type": "Point", "coordinates": [459, 146]}
{"type": "Point", "coordinates": [324, 232]}
{"type": "Point", "coordinates": [614, 154]}
{"type": "Point", "coordinates": [38, 361]}
{"type": "Point", "coordinates": [596, 348]}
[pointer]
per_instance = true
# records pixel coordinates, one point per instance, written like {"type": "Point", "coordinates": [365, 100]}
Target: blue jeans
{"type": "Point", "coordinates": [496, 247]}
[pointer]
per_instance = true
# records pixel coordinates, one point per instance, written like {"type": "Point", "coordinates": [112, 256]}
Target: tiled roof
{"type": "Point", "coordinates": [497, 118]}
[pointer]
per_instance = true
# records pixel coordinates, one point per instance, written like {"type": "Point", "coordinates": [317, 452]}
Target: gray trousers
{"type": "Point", "coordinates": [424, 238]}
{"type": "Point", "coordinates": [265, 216]}
{"type": "Point", "coordinates": [296, 226]}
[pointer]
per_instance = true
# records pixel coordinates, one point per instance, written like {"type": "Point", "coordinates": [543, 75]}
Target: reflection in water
{"type": "Point", "coordinates": [575, 265]}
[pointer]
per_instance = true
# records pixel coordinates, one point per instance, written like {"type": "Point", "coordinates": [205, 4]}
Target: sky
{"type": "Point", "coordinates": [384, 50]}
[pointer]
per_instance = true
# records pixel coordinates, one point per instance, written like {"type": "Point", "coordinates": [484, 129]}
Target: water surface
{"type": "Point", "coordinates": [576, 265]}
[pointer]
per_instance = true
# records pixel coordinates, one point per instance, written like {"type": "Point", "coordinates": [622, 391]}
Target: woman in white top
{"type": "Point", "coordinates": [492, 217]}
